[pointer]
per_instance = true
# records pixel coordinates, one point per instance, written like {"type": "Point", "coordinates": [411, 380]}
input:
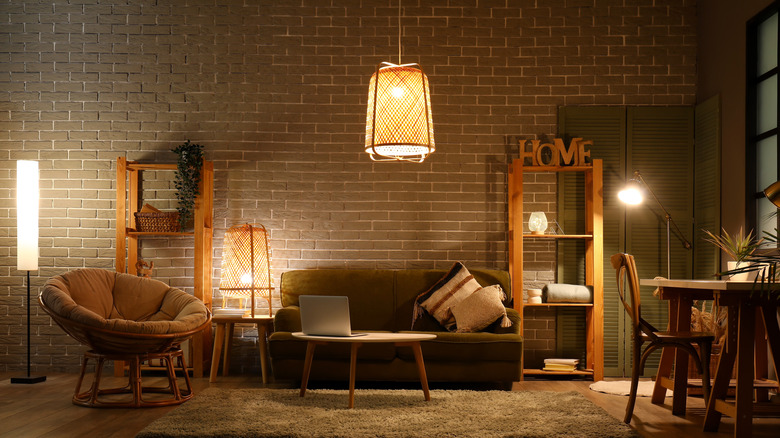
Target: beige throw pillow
{"type": "Point", "coordinates": [460, 285]}
{"type": "Point", "coordinates": [480, 309]}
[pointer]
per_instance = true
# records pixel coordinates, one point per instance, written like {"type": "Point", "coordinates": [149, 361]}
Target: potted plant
{"type": "Point", "coordinates": [740, 248]}
{"type": "Point", "coordinates": [187, 178]}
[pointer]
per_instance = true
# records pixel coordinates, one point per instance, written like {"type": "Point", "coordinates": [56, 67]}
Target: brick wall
{"type": "Point", "coordinates": [276, 92]}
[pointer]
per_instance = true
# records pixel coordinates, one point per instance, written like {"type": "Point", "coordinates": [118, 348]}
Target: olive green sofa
{"type": "Point", "coordinates": [383, 300]}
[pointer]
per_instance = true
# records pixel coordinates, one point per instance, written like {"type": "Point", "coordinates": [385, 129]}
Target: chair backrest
{"type": "Point", "coordinates": [625, 272]}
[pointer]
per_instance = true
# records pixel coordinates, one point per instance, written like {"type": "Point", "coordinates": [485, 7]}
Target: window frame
{"type": "Point", "coordinates": [752, 190]}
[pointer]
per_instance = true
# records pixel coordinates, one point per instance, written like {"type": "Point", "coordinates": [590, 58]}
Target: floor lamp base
{"type": "Point", "coordinates": [28, 380]}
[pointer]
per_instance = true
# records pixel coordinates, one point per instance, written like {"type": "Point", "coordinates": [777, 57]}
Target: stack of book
{"type": "Point", "coordinates": [561, 365]}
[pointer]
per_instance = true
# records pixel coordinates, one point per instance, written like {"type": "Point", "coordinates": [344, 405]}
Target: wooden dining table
{"type": "Point", "coordinates": [752, 323]}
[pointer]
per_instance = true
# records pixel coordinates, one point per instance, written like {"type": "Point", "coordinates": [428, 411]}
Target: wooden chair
{"type": "Point", "coordinates": [643, 332]}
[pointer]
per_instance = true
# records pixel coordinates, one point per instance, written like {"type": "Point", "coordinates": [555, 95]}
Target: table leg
{"type": "Point", "coordinates": [218, 340]}
{"type": "Point", "coordinates": [418, 357]}
{"type": "Point", "coordinates": [667, 356]}
{"type": "Point", "coordinates": [772, 327]}
{"type": "Point", "coordinates": [307, 366]}
{"type": "Point", "coordinates": [680, 396]}
{"type": "Point", "coordinates": [352, 372]}
{"type": "Point", "coordinates": [720, 386]}
{"type": "Point", "coordinates": [229, 329]}
{"type": "Point", "coordinates": [263, 344]}
{"type": "Point", "coordinates": [744, 398]}
{"type": "Point", "coordinates": [761, 362]}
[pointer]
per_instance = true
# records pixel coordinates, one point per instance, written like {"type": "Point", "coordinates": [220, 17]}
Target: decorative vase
{"type": "Point", "coordinates": [537, 223]}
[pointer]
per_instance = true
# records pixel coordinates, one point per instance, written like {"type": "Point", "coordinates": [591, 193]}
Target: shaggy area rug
{"type": "Point", "coordinates": [622, 387]}
{"type": "Point", "coordinates": [219, 412]}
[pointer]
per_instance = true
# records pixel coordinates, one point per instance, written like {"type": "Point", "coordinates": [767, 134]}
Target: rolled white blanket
{"type": "Point", "coordinates": [567, 293]}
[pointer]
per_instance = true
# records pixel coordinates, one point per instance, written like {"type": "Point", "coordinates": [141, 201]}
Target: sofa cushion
{"type": "Point", "coordinates": [468, 347]}
{"type": "Point", "coordinates": [370, 292]}
{"type": "Point", "coordinates": [480, 309]}
{"type": "Point", "coordinates": [453, 288]}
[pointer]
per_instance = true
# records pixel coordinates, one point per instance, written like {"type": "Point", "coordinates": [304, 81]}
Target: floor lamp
{"type": "Point", "coordinates": [632, 195]}
{"type": "Point", "coordinates": [27, 239]}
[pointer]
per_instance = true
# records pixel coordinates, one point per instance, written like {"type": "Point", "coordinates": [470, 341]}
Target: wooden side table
{"type": "Point", "coordinates": [224, 334]}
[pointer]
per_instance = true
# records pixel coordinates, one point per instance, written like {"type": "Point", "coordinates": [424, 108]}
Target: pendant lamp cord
{"type": "Point", "coordinates": [399, 32]}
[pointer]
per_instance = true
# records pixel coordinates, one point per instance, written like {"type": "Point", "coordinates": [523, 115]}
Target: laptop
{"type": "Point", "coordinates": [325, 315]}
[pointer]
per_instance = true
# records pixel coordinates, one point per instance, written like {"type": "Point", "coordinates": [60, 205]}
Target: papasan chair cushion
{"type": "Point", "coordinates": [122, 302]}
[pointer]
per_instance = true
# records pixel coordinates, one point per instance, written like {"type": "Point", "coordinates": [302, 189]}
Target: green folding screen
{"type": "Point", "coordinates": [658, 142]}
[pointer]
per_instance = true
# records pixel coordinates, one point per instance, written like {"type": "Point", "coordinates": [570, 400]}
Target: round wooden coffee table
{"type": "Point", "coordinates": [398, 339]}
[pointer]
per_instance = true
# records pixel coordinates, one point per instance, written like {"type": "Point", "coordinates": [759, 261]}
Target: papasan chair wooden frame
{"type": "Point", "coordinates": [113, 338]}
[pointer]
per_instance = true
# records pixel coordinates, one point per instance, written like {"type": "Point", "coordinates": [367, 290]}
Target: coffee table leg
{"type": "Point", "coordinates": [418, 357]}
{"type": "Point", "coordinates": [352, 372]}
{"type": "Point", "coordinates": [307, 366]}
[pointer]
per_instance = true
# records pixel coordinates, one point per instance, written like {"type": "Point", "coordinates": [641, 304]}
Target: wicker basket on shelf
{"type": "Point", "coordinates": [150, 219]}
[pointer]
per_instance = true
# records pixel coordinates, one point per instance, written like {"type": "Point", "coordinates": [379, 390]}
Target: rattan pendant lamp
{"type": "Point", "coordinates": [246, 265]}
{"type": "Point", "coordinates": [399, 124]}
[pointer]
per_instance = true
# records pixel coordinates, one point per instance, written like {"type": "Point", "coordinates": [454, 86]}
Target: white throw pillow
{"type": "Point", "coordinates": [481, 309]}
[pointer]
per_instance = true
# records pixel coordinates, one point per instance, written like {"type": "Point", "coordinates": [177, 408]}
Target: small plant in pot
{"type": "Point", "coordinates": [740, 248]}
{"type": "Point", "coordinates": [187, 179]}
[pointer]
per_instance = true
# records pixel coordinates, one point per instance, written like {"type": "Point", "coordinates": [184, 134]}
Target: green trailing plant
{"type": "Point", "coordinates": [739, 246]}
{"type": "Point", "coordinates": [187, 179]}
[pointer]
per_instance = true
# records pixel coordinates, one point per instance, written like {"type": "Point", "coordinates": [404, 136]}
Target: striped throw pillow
{"type": "Point", "coordinates": [454, 287]}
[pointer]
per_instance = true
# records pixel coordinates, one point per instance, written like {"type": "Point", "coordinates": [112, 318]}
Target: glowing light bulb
{"type": "Point", "coordinates": [631, 196]}
{"type": "Point", "coordinates": [398, 92]}
{"type": "Point", "coordinates": [246, 278]}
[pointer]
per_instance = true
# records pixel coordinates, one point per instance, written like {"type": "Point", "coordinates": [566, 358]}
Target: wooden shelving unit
{"type": "Point", "coordinates": [594, 258]}
{"type": "Point", "coordinates": [128, 201]}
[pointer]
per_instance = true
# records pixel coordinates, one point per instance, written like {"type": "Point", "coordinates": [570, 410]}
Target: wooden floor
{"type": "Point", "coordinates": [45, 410]}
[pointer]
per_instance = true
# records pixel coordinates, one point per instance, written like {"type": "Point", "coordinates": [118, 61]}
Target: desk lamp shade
{"type": "Point", "coordinates": [399, 124]}
{"type": "Point", "coordinates": [27, 215]}
{"type": "Point", "coordinates": [773, 193]}
{"type": "Point", "coordinates": [246, 265]}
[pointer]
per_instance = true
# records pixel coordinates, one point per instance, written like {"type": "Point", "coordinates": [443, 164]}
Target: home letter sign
{"type": "Point", "coordinates": [556, 153]}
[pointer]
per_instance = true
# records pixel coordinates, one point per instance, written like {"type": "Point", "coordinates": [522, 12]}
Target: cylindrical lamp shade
{"type": "Point", "coordinates": [399, 123]}
{"type": "Point", "coordinates": [246, 264]}
{"type": "Point", "coordinates": [27, 200]}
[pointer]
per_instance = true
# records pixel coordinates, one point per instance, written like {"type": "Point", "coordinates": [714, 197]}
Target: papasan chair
{"type": "Point", "coordinates": [124, 317]}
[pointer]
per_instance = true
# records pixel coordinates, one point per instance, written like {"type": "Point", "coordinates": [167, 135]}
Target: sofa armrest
{"type": "Point", "coordinates": [515, 317]}
{"type": "Point", "coordinates": [288, 319]}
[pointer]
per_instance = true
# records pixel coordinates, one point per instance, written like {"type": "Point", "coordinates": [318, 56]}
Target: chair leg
{"type": "Point", "coordinates": [78, 394]}
{"type": "Point", "coordinates": [93, 399]}
{"type": "Point", "coordinates": [705, 350]}
{"type": "Point", "coordinates": [172, 383]}
{"type": "Point", "coordinates": [135, 380]}
{"type": "Point", "coordinates": [635, 371]}
{"type": "Point", "coordinates": [183, 364]}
